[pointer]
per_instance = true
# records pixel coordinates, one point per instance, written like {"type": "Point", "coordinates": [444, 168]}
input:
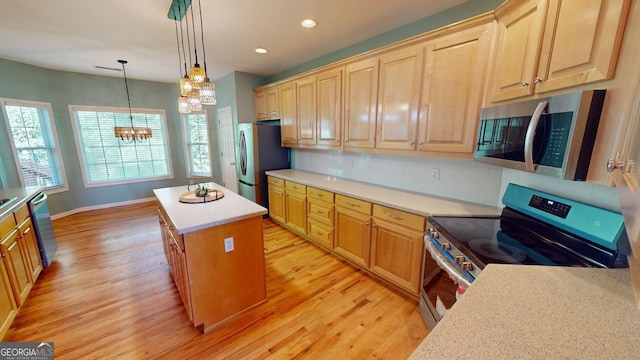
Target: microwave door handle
{"type": "Point", "coordinates": [531, 132]}
{"type": "Point", "coordinates": [454, 273]}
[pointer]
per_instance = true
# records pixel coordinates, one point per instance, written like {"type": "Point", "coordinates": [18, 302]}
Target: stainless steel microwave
{"type": "Point", "coordinates": [550, 136]}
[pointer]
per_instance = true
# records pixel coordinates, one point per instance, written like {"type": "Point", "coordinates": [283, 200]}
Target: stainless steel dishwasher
{"type": "Point", "coordinates": [43, 227]}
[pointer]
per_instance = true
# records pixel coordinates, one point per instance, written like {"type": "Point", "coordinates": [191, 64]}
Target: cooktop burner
{"type": "Point", "coordinates": [497, 251]}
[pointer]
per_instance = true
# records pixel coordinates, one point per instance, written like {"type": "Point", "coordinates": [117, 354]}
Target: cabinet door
{"type": "Point", "coordinates": [32, 252]}
{"type": "Point", "coordinates": [519, 38]}
{"type": "Point", "coordinates": [452, 92]}
{"type": "Point", "coordinates": [361, 94]}
{"type": "Point", "coordinates": [271, 103]}
{"type": "Point", "coordinates": [296, 206]}
{"type": "Point", "coordinates": [260, 105]}
{"type": "Point", "coordinates": [288, 116]}
{"type": "Point", "coordinates": [320, 233]}
{"type": "Point", "coordinates": [17, 266]}
{"type": "Point", "coordinates": [399, 98]}
{"type": "Point", "coordinates": [306, 98]}
{"type": "Point", "coordinates": [8, 308]}
{"type": "Point", "coordinates": [178, 267]}
{"type": "Point", "coordinates": [330, 108]}
{"type": "Point", "coordinates": [352, 236]}
{"type": "Point", "coordinates": [581, 42]}
{"type": "Point", "coordinates": [396, 254]}
{"type": "Point", "coordinates": [276, 203]}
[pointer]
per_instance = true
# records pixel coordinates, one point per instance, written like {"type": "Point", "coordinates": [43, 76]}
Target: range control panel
{"type": "Point", "coordinates": [551, 206]}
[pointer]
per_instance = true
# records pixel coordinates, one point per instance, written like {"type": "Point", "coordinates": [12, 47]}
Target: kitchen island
{"type": "Point", "coordinates": [539, 312]}
{"type": "Point", "coordinates": [215, 252]}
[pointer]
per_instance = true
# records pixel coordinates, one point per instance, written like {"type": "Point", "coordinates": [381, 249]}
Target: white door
{"type": "Point", "coordinates": [227, 142]}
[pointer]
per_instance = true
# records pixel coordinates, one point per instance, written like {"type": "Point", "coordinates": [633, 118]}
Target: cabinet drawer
{"type": "Point", "coordinates": [323, 195]}
{"type": "Point", "coordinates": [21, 214]}
{"type": "Point", "coordinates": [320, 211]}
{"type": "Point", "coordinates": [360, 206]}
{"type": "Point", "coordinates": [6, 225]}
{"type": "Point", "coordinates": [295, 187]}
{"type": "Point", "coordinates": [321, 233]}
{"type": "Point", "coordinates": [275, 181]}
{"type": "Point", "coordinates": [399, 217]}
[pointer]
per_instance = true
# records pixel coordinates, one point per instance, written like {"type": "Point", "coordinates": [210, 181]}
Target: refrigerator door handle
{"type": "Point", "coordinates": [248, 184]}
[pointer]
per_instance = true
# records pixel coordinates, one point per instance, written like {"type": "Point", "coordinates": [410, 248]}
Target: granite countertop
{"type": "Point", "coordinates": [192, 217]}
{"type": "Point", "coordinates": [22, 195]}
{"type": "Point", "coordinates": [417, 203]}
{"type": "Point", "coordinates": [540, 312]}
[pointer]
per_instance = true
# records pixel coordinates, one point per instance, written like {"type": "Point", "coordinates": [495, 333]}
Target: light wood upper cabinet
{"type": "Point", "coordinates": [519, 35]}
{"type": "Point", "coordinates": [399, 98]}
{"type": "Point", "coordinates": [545, 45]}
{"type": "Point", "coordinates": [288, 114]}
{"type": "Point", "coordinates": [306, 115]}
{"type": "Point", "coordinates": [582, 44]}
{"type": "Point", "coordinates": [266, 103]}
{"type": "Point", "coordinates": [452, 91]}
{"type": "Point", "coordinates": [361, 95]}
{"type": "Point", "coordinates": [329, 131]}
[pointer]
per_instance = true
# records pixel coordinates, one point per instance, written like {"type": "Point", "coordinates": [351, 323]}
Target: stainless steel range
{"type": "Point", "coordinates": [535, 228]}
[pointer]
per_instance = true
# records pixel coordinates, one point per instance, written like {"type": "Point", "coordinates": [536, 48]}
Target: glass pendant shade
{"type": "Point", "coordinates": [208, 92]}
{"type": "Point", "coordinates": [194, 101]}
{"type": "Point", "coordinates": [183, 105]}
{"type": "Point", "coordinates": [197, 76]}
{"type": "Point", "coordinates": [185, 86]}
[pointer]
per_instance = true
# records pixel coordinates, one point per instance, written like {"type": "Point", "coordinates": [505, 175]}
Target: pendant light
{"type": "Point", "coordinates": [196, 73]}
{"type": "Point", "coordinates": [207, 88]}
{"type": "Point", "coordinates": [185, 83]}
{"type": "Point", "coordinates": [131, 134]}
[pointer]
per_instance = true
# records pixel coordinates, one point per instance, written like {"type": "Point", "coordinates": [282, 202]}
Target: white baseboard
{"type": "Point", "coordinates": [101, 206]}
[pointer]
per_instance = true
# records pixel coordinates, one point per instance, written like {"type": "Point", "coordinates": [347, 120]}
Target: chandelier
{"type": "Point", "coordinates": [195, 87]}
{"type": "Point", "coordinates": [131, 134]}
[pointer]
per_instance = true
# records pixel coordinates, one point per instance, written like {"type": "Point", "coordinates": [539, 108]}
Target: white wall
{"type": "Point", "coordinates": [459, 179]}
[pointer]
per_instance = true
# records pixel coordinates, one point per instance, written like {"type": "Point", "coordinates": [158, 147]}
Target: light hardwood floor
{"type": "Point", "coordinates": [109, 295]}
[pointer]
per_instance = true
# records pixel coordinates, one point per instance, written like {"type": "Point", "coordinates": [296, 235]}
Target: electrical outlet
{"type": "Point", "coordinates": [435, 174]}
{"type": "Point", "coordinates": [228, 244]}
{"type": "Point", "coordinates": [350, 163]}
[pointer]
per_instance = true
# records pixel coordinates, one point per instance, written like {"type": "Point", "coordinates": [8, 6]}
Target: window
{"type": "Point", "coordinates": [107, 160]}
{"type": "Point", "coordinates": [196, 138]}
{"type": "Point", "coordinates": [35, 143]}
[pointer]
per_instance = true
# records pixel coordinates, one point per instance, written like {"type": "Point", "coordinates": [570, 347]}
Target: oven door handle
{"type": "Point", "coordinates": [531, 132]}
{"type": "Point", "coordinates": [454, 273]}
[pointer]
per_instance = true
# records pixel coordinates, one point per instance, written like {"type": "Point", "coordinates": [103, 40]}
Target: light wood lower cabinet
{"type": "Point", "coordinates": [26, 233]}
{"type": "Point", "coordinates": [17, 263]}
{"type": "Point", "coordinates": [353, 229]}
{"type": "Point", "coordinates": [276, 199]}
{"type": "Point", "coordinates": [8, 307]}
{"type": "Point", "coordinates": [396, 246]}
{"type": "Point", "coordinates": [296, 206]}
{"type": "Point", "coordinates": [383, 241]}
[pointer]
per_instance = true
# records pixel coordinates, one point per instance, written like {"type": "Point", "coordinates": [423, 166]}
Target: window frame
{"type": "Point", "coordinates": [125, 110]}
{"type": "Point", "coordinates": [42, 106]}
{"type": "Point", "coordinates": [187, 153]}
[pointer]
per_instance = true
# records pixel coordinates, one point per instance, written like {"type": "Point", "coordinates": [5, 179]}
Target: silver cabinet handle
{"type": "Point", "coordinates": [454, 273]}
{"type": "Point", "coordinates": [615, 164]}
{"type": "Point", "coordinates": [537, 80]}
{"type": "Point", "coordinates": [396, 217]}
{"type": "Point", "coordinates": [531, 131]}
{"type": "Point", "coordinates": [524, 83]}
{"type": "Point", "coordinates": [351, 204]}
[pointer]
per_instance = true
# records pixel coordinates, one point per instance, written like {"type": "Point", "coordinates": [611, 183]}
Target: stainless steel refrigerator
{"type": "Point", "coordinates": [259, 150]}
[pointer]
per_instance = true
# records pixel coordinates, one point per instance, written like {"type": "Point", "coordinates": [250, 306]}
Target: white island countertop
{"type": "Point", "coordinates": [192, 217]}
{"type": "Point", "coordinates": [540, 312]}
{"type": "Point", "coordinates": [413, 202]}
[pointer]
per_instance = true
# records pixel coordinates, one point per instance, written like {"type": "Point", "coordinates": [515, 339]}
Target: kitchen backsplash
{"type": "Point", "coordinates": [457, 179]}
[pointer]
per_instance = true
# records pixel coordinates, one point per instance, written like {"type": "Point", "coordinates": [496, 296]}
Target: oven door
{"type": "Point", "coordinates": [439, 292]}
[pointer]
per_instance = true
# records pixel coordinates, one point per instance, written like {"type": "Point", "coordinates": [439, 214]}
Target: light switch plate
{"type": "Point", "coordinates": [435, 174]}
{"type": "Point", "coordinates": [228, 244]}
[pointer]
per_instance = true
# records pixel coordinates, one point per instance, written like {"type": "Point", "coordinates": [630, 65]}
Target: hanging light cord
{"type": "Point", "coordinates": [193, 23]}
{"type": "Point", "coordinates": [204, 53]}
{"type": "Point", "coordinates": [126, 85]}
{"type": "Point", "coordinates": [184, 55]}
{"type": "Point", "coordinates": [175, 22]}
{"type": "Point", "coordinates": [186, 19]}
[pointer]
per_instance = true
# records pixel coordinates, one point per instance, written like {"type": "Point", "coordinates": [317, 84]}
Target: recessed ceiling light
{"type": "Point", "coordinates": [262, 50]}
{"type": "Point", "coordinates": [308, 23]}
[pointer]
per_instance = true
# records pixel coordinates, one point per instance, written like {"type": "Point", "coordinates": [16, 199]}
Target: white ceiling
{"type": "Point", "coordinates": [75, 35]}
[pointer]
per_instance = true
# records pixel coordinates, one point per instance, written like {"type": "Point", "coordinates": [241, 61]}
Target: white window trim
{"type": "Point", "coordinates": [85, 180]}
{"type": "Point", "coordinates": [29, 103]}
{"type": "Point", "coordinates": [185, 139]}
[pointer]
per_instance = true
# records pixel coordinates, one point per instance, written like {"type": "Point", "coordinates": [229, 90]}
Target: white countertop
{"type": "Point", "coordinates": [192, 217]}
{"type": "Point", "coordinates": [539, 312]}
{"type": "Point", "coordinates": [421, 204]}
{"type": "Point", "coordinates": [22, 195]}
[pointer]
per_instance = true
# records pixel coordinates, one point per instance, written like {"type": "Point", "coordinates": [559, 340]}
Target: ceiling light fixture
{"type": "Point", "coordinates": [262, 50]}
{"type": "Point", "coordinates": [195, 87]}
{"type": "Point", "coordinates": [131, 134]}
{"type": "Point", "coordinates": [308, 23]}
